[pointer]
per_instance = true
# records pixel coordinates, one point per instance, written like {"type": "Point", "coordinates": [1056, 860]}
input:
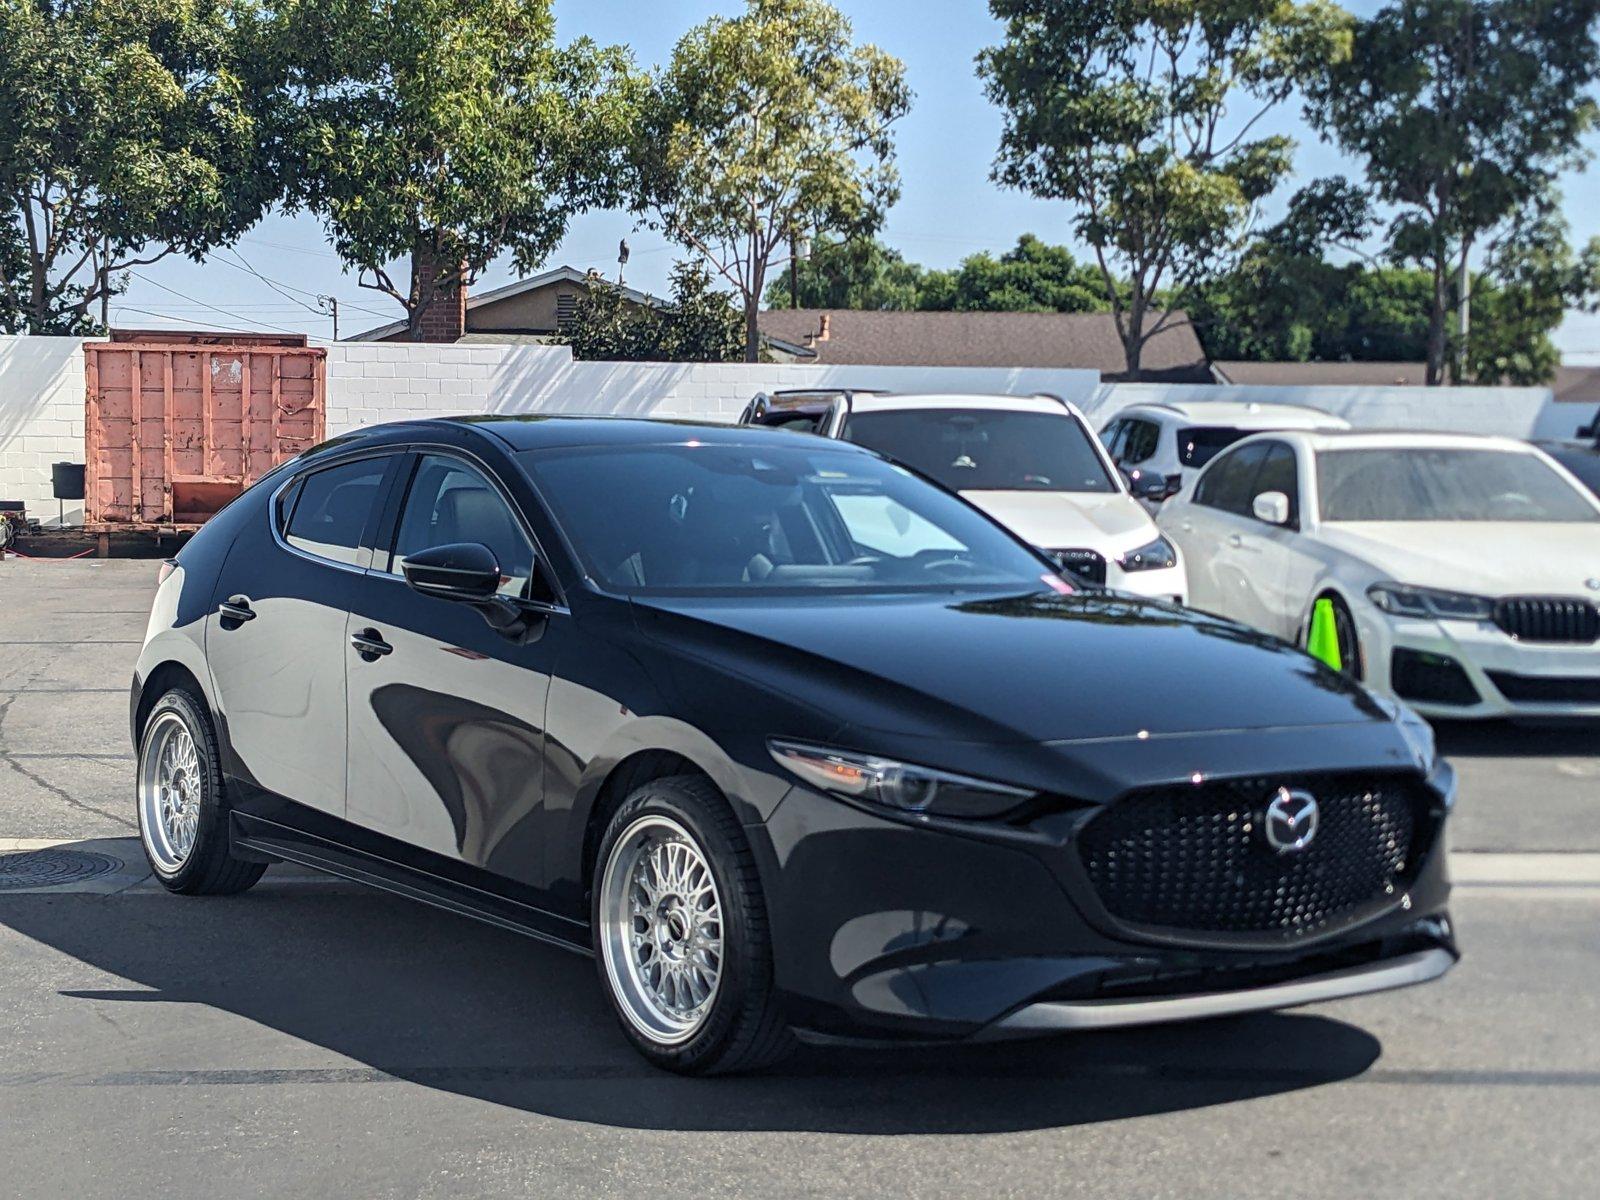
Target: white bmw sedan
{"type": "Point", "coordinates": [1463, 572]}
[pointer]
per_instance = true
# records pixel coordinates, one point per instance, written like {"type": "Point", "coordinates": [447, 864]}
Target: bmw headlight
{"type": "Point", "coordinates": [1155, 556]}
{"type": "Point", "coordinates": [1401, 600]}
{"type": "Point", "coordinates": [896, 785]}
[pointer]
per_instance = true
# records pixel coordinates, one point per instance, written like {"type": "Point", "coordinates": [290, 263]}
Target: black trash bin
{"type": "Point", "coordinates": [66, 480]}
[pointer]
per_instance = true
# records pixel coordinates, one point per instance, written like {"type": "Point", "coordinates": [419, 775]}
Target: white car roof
{"type": "Point", "coordinates": [897, 402]}
{"type": "Point", "coordinates": [1238, 414]}
{"type": "Point", "coordinates": [1403, 440]}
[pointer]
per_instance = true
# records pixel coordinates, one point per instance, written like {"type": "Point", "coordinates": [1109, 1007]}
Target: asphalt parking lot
{"type": "Point", "coordinates": [310, 1039]}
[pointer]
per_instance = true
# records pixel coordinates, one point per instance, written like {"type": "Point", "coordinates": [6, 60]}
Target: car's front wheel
{"type": "Point", "coordinates": [182, 816]}
{"type": "Point", "coordinates": [681, 934]}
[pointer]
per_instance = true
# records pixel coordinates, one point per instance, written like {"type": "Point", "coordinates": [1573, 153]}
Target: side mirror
{"type": "Point", "coordinates": [1271, 507]}
{"type": "Point", "coordinates": [465, 571]}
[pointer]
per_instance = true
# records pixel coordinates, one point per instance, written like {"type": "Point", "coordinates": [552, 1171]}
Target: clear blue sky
{"type": "Point", "coordinates": [949, 208]}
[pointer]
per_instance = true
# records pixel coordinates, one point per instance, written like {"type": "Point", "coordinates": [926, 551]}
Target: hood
{"type": "Point", "coordinates": [1488, 558]}
{"type": "Point", "coordinates": [1067, 520]}
{"type": "Point", "coordinates": [1004, 669]}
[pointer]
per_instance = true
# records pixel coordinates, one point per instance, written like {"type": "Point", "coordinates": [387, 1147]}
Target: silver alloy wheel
{"type": "Point", "coordinates": [661, 929]}
{"type": "Point", "coordinates": [169, 792]}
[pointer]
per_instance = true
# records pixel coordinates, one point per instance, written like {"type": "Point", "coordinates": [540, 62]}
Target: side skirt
{"type": "Point", "coordinates": [259, 837]}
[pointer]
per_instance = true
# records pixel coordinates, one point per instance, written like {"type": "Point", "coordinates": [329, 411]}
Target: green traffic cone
{"type": "Point", "coordinates": [1323, 640]}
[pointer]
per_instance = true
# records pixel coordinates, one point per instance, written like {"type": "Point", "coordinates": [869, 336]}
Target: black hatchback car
{"type": "Point", "coordinates": [790, 739]}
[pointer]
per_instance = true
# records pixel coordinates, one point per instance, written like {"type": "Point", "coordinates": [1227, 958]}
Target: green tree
{"type": "Point", "coordinates": [850, 273]}
{"type": "Point", "coordinates": [1032, 277]}
{"type": "Point", "coordinates": [700, 325]}
{"type": "Point", "coordinates": [1462, 112]}
{"type": "Point", "coordinates": [1132, 111]}
{"type": "Point", "coordinates": [126, 134]}
{"type": "Point", "coordinates": [765, 127]}
{"type": "Point", "coordinates": [449, 132]}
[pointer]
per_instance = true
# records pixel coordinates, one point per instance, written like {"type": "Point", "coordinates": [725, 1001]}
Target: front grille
{"type": "Point", "coordinates": [1195, 859]}
{"type": "Point", "coordinates": [1548, 619]}
{"type": "Point", "coordinates": [1086, 564]}
{"type": "Point", "coordinates": [1547, 689]}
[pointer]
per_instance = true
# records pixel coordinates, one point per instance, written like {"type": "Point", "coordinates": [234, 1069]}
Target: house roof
{"type": "Point", "coordinates": [561, 274]}
{"type": "Point", "coordinates": [984, 339]}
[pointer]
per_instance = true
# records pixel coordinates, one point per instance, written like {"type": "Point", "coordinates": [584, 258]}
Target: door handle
{"type": "Point", "coordinates": [1235, 540]}
{"type": "Point", "coordinates": [235, 611]}
{"type": "Point", "coordinates": [370, 645]}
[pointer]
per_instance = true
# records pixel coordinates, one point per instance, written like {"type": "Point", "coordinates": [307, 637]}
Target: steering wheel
{"type": "Point", "coordinates": [959, 561]}
{"type": "Point", "coordinates": [1514, 501]}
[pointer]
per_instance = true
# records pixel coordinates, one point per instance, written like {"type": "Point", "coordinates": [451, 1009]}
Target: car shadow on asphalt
{"type": "Point", "coordinates": [397, 991]}
{"type": "Point", "coordinates": [1516, 739]}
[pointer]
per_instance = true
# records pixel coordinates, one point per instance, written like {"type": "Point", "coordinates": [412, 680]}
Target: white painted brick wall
{"type": "Point", "coordinates": [41, 420]}
{"type": "Point", "coordinates": [42, 395]}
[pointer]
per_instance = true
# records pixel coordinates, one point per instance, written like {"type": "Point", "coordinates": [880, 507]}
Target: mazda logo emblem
{"type": "Point", "coordinates": [1291, 820]}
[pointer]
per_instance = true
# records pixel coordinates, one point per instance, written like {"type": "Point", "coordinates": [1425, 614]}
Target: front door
{"type": "Point", "coordinates": [275, 640]}
{"type": "Point", "coordinates": [447, 716]}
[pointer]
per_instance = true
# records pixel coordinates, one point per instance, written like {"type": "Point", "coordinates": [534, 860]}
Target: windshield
{"type": "Point", "coordinates": [723, 518]}
{"type": "Point", "coordinates": [1414, 484]}
{"type": "Point", "coordinates": [983, 450]}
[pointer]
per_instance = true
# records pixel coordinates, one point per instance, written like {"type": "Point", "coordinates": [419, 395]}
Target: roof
{"type": "Point", "coordinates": [536, 432]}
{"type": "Point", "coordinates": [1577, 385]}
{"type": "Point", "coordinates": [1244, 414]}
{"type": "Point", "coordinates": [1322, 374]}
{"type": "Point", "coordinates": [1397, 439]}
{"type": "Point", "coordinates": [903, 402]}
{"type": "Point", "coordinates": [984, 339]}
{"type": "Point", "coordinates": [561, 274]}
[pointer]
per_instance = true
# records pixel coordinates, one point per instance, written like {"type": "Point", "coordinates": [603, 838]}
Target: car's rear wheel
{"type": "Point", "coordinates": [681, 934]}
{"type": "Point", "coordinates": [182, 815]}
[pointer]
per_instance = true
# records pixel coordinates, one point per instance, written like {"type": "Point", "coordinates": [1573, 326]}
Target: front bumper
{"type": "Point", "coordinates": [888, 928]}
{"type": "Point", "coordinates": [1507, 678]}
{"type": "Point", "coordinates": [1385, 975]}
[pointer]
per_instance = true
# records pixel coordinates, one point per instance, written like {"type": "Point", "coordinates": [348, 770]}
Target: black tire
{"type": "Point", "coordinates": [209, 869]}
{"type": "Point", "coordinates": [1344, 628]}
{"type": "Point", "coordinates": [743, 1029]}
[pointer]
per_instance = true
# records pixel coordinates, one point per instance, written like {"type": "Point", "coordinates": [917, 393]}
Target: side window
{"type": "Point", "coordinates": [1112, 437]}
{"type": "Point", "coordinates": [1228, 482]}
{"type": "Point", "coordinates": [450, 502]}
{"type": "Point", "coordinates": [330, 509]}
{"type": "Point", "coordinates": [1140, 443]}
{"type": "Point", "coordinates": [1279, 473]}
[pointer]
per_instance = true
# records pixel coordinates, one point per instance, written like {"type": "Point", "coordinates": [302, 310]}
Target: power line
{"type": "Point", "coordinates": [184, 296]}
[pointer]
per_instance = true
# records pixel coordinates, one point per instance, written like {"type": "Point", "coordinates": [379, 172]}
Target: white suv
{"type": "Point", "coordinates": [1030, 462]}
{"type": "Point", "coordinates": [1154, 444]}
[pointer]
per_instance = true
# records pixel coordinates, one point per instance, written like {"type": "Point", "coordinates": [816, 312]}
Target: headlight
{"type": "Point", "coordinates": [1157, 556]}
{"type": "Point", "coordinates": [896, 785]}
{"type": "Point", "coordinates": [1400, 600]}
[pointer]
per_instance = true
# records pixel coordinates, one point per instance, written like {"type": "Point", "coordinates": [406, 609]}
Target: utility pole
{"type": "Point", "coordinates": [799, 250]}
{"type": "Point", "coordinates": [105, 283]}
{"type": "Point", "coordinates": [330, 305]}
{"type": "Point", "coordinates": [622, 260]}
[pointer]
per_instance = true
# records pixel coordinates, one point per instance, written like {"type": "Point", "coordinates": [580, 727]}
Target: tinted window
{"type": "Point", "coordinates": [1141, 442]}
{"type": "Point", "coordinates": [1229, 482]}
{"type": "Point", "coordinates": [1279, 474]}
{"type": "Point", "coordinates": [1199, 445]}
{"type": "Point", "coordinates": [332, 507]}
{"type": "Point", "coordinates": [987, 450]}
{"type": "Point", "coordinates": [802, 515]}
{"type": "Point", "coordinates": [450, 502]}
{"type": "Point", "coordinates": [1112, 437]}
{"type": "Point", "coordinates": [1438, 484]}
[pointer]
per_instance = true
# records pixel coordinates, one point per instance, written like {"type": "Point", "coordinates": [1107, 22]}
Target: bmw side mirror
{"type": "Point", "coordinates": [1271, 507]}
{"type": "Point", "coordinates": [465, 571]}
{"type": "Point", "coordinates": [1147, 487]}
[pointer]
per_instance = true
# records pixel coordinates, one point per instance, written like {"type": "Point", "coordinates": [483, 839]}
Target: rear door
{"type": "Point", "coordinates": [1217, 537]}
{"type": "Point", "coordinates": [447, 716]}
{"type": "Point", "coordinates": [275, 640]}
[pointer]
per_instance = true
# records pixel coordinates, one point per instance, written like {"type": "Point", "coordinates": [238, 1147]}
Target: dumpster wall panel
{"type": "Point", "coordinates": [173, 432]}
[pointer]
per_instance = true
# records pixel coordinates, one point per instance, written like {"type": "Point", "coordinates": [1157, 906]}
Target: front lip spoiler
{"type": "Point", "coordinates": [1052, 1015]}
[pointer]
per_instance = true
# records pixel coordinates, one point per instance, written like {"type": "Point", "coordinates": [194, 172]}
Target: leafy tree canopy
{"type": "Point", "coordinates": [451, 131]}
{"type": "Point", "coordinates": [127, 133]}
{"type": "Point", "coordinates": [765, 127]}
{"type": "Point", "coordinates": [1462, 113]}
{"type": "Point", "coordinates": [700, 325]}
{"type": "Point", "coordinates": [1133, 112]}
